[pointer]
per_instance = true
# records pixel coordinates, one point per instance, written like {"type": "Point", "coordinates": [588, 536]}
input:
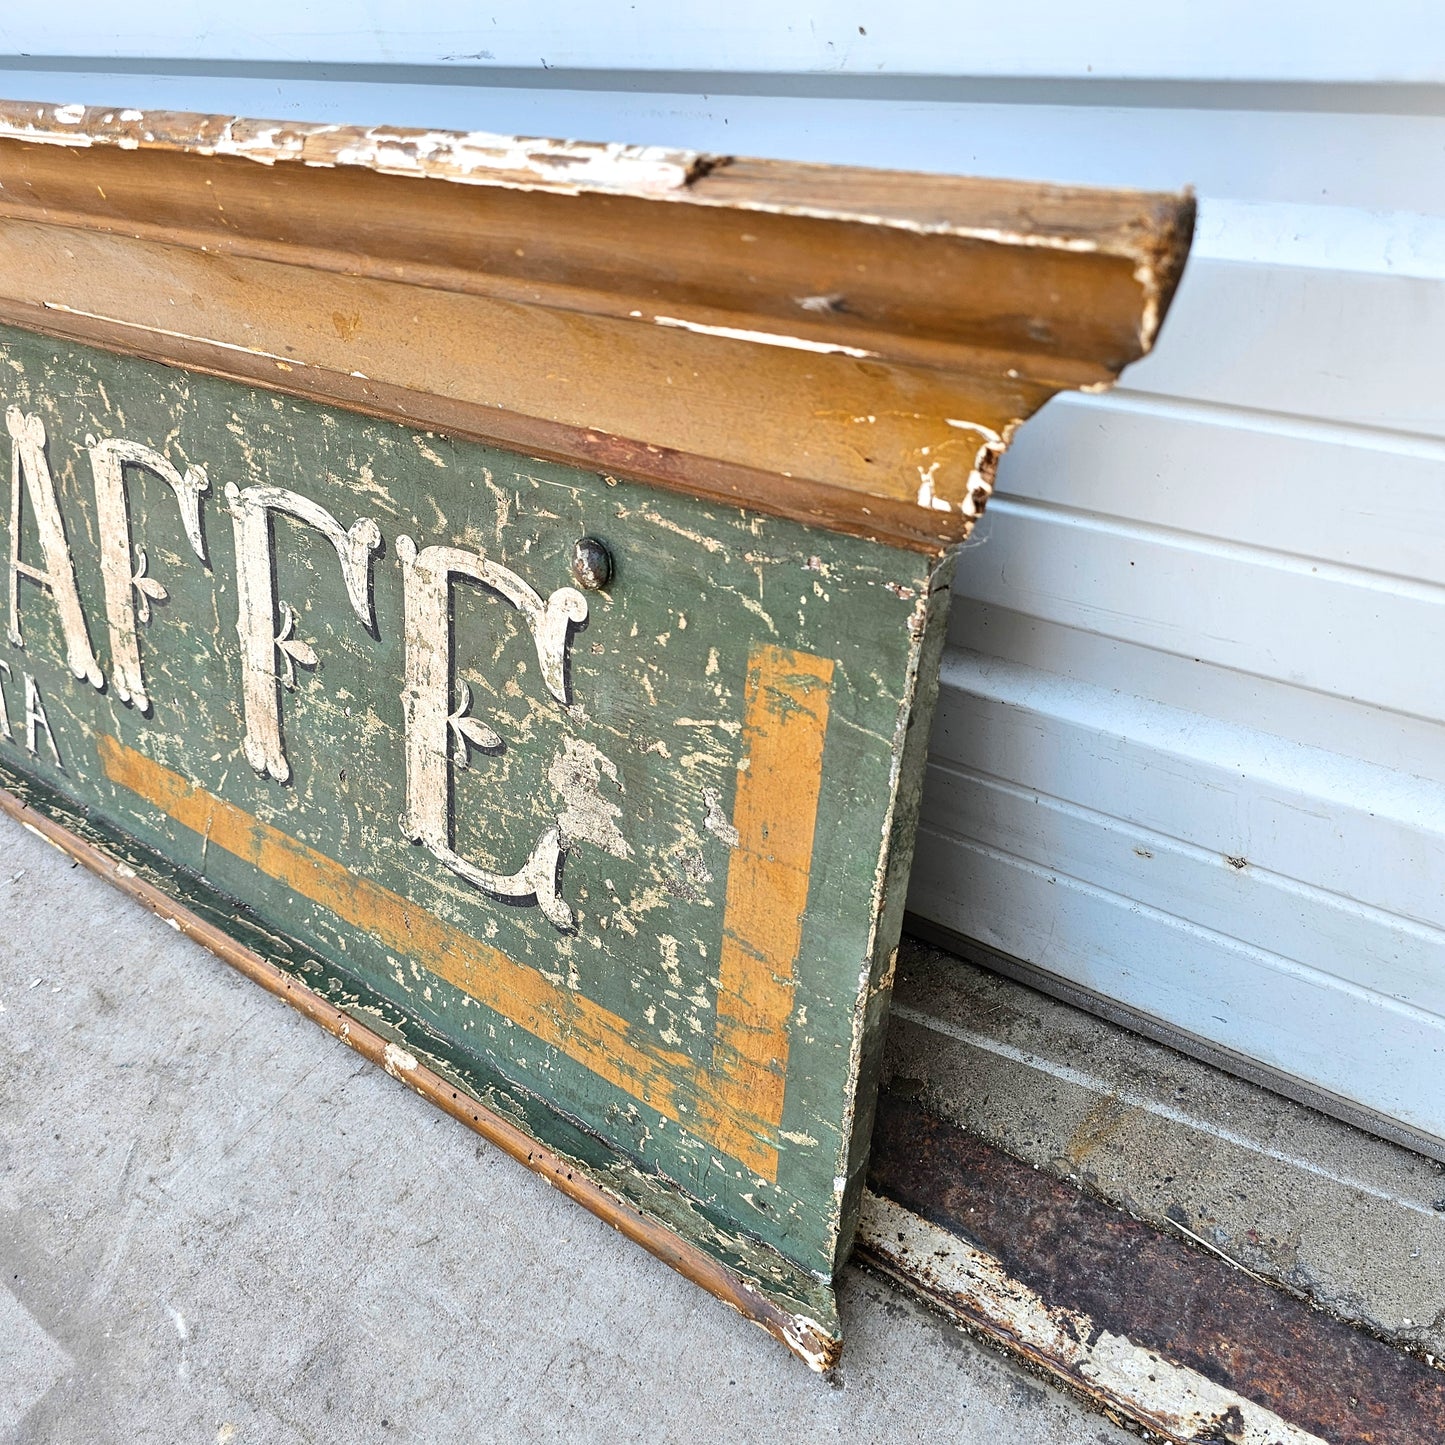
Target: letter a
{"type": "Point", "coordinates": [29, 465]}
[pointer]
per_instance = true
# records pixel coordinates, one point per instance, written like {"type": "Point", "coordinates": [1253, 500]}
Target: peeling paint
{"type": "Point", "coordinates": [716, 821]}
{"type": "Point", "coordinates": [174, 335]}
{"type": "Point", "coordinates": [397, 1061]}
{"type": "Point", "coordinates": [576, 774]}
{"type": "Point", "coordinates": [471, 157]}
{"type": "Point", "coordinates": [485, 158]}
{"type": "Point", "coordinates": [764, 338]}
{"type": "Point", "coordinates": [926, 495]}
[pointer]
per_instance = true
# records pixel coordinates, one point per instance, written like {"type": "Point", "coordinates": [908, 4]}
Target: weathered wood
{"type": "Point", "coordinates": [605, 846]}
{"type": "Point", "coordinates": [868, 339]}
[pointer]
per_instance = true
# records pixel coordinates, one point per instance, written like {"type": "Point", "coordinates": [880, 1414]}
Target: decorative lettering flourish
{"type": "Point", "coordinates": [437, 735]}
{"type": "Point", "coordinates": [108, 461]}
{"type": "Point", "coordinates": [263, 632]}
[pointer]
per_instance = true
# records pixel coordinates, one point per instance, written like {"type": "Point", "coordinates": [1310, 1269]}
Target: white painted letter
{"type": "Point", "coordinates": [28, 464]}
{"type": "Point", "coordinates": [35, 719]}
{"type": "Point", "coordinates": [262, 632]}
{"type": "Point", "coordinates": [107, 463]}
{"type": "Point", "coordinates": [4, 713]}
{"type": "Point", "coordinates": [437, 737]}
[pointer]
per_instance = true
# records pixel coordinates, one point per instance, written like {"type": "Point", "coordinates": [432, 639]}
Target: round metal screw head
{"type": "Point", "coordinates": [591, 564]}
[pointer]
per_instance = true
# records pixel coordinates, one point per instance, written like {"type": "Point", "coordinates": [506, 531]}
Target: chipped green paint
{"type": "Point", "coordinates": [722, 746]}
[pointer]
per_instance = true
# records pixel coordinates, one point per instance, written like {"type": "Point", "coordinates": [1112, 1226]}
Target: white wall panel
{"type": "Point", "coordinates": [1230, 39]}
{"type": "Point", "coordinates": [1359, 1046]}
{"type": "Point", "coordinates": [1311, 624]}
{"type": "Point", "coordinates": [1340, 346]}
{"type": "Point", "coordinates": [1252, 800]}
{"type": "Point", "coordinates": [1232, 895]}
{"type": "Point", "coordinates": [1293, 485]}
{"type": "Point", "coordinates": [1406, 745]}
{"type": "Point", "coordinates": [1346, 166]}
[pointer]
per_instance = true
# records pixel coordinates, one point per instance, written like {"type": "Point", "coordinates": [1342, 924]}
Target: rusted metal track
{"type": "Point", "coordinates": [1153, 1329]}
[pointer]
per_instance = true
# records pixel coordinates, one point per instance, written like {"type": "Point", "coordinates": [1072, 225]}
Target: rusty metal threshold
{"type": "Point", "coordinates": [1157, 1332]}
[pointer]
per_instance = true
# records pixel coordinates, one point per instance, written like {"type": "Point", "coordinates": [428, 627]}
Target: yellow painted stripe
{"type": "Point", "coordinates": [737, 1104]}
{"type": "Point", "coordinates": [785, 720]}
{"type": "Point", "coordinates": [581, 1029]}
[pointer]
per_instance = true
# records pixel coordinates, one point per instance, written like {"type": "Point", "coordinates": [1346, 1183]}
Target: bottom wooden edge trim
{"type": "Point", "coordinates": [807, 1338]}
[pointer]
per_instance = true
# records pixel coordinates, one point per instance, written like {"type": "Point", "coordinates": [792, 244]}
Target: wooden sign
{"type": "Point", "coordinates": [491, 592]}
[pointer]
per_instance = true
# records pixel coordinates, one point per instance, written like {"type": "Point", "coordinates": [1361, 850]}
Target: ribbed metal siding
{"type": "Point", "coordinates": [1191, 756]}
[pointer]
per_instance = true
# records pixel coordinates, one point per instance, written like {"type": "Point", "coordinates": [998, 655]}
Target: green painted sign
{"type": "Point", "coordinates": [624, 863]}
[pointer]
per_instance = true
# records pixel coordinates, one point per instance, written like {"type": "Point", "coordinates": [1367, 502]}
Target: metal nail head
{"type": "Point", "coordinates": [591, 564]}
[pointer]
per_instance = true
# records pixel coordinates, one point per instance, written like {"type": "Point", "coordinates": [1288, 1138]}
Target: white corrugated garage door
{"type": "Point", "coordinates": [1191, 751]}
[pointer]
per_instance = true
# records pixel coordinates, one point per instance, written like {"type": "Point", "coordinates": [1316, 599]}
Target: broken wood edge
{"type": "Point", "coordinates": [910, 768]}
{"type": "Point", "coordinates": [817, 1343]}
{"type": "Point", "coordinates": [969, 302]}
{"type": "Point", "coordinates": [912, 1252]}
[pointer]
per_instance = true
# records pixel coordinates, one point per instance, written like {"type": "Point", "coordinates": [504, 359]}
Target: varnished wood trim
{"type": "Point", "coordinates": [803, 1336]}
{"type": "Point", "coordinates": [896, 523]}
{"type": "Point", "coordinates": [1028, 213]}
{"type": "Point", "coordinates": [857, 430]}
{"type": "Point", "coordinates": [847, 331]}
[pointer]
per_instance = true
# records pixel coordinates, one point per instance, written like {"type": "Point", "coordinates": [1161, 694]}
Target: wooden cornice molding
{"type": "Point", "coordinates": [846, 347]}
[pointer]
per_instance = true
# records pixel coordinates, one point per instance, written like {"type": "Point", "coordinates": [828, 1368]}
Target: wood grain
{"type": "Point", "coordinates": [877, 336]}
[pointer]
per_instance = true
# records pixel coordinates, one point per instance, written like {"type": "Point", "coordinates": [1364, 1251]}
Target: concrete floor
{"type": "Point", "coordinates": [218, 1224]}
